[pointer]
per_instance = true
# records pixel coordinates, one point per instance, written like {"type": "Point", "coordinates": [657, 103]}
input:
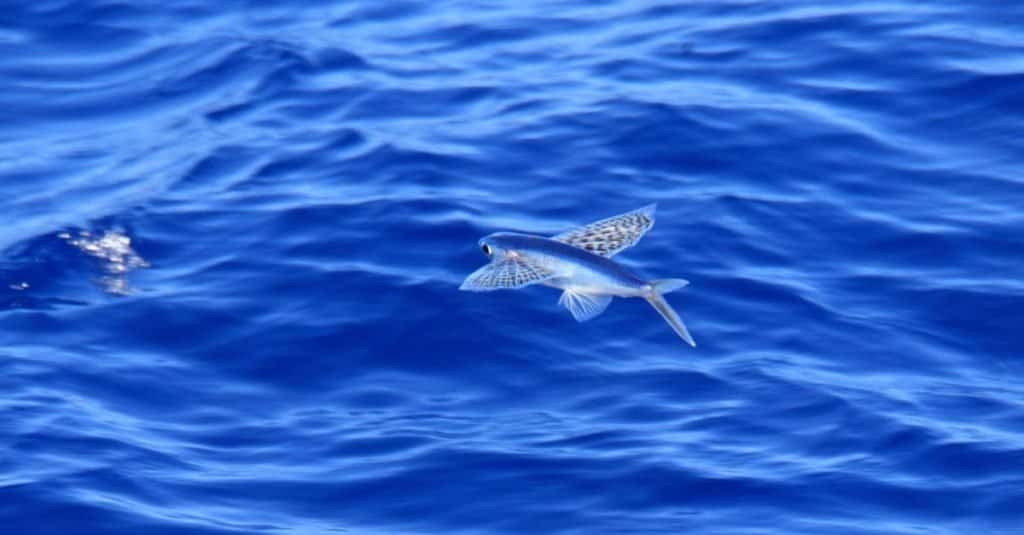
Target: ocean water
{"type": "Point", "coordinates": [234, 234]}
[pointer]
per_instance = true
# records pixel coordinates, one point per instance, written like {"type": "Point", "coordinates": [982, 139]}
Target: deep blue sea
{"type": "Point", "coordinates": [234, 232]}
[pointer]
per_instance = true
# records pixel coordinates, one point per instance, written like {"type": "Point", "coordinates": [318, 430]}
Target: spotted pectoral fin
{"type": "Point", "coordinates": [509, 272]}
{"type": "Point", "coordinates": [584, 306]}
{"type": "Point", "coordinates": [609, 236]}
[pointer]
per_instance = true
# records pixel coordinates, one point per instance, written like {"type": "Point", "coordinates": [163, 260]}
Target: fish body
{"type": "Point", "coordinates": [576, 268]}
{"type": "Point", "coordinates": [579, 262]}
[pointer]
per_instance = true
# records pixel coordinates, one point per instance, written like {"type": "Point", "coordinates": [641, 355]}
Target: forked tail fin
{"type": "Point", "coordinates": [656, 300]}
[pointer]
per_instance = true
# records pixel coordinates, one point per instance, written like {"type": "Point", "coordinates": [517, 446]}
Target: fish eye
{"type": "Point", "coordinates": [486, 249]}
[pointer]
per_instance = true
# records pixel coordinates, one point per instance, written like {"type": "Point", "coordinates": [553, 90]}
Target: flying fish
{"type": "Point", "coordinates": [578, 262]}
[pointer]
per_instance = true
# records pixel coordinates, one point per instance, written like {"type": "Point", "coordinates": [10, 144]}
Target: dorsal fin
{"type": "Point", "coordinates": [609, 236]}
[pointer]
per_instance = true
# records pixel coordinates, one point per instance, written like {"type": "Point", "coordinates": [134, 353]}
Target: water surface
{"type": "Point", "coordinates": [234, 234]}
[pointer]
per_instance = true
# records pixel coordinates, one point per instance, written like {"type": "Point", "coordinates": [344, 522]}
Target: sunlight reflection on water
{"type": "Point", "coordinates": [114, 249]}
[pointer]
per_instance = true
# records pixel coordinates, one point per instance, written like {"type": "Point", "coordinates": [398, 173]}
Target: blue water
{"type": "Point", "coordinates": [233, 235]}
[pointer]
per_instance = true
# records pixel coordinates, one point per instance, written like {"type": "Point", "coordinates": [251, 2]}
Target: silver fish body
{"type": "Point", "coordinates": [575, 268]}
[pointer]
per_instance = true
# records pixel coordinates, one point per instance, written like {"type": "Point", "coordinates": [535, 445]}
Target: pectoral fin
{"type": "Point", "coordinates": [509, 272]}
{"type": "Point", "coordinates": [609, 236]}
{"type": "Point", "coordinates": [584, 306]}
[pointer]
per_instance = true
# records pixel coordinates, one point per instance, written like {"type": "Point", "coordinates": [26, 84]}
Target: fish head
{"type": "Point", "coordinates": [497, 245]}
{"type": "Point", "coordinates": [488, 247]}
